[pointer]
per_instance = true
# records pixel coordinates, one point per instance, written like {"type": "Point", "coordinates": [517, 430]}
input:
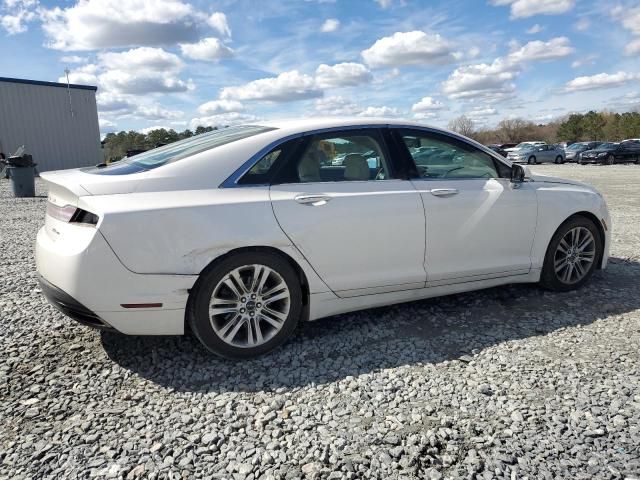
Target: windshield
{"type": "Point", "coordinates": [190, 146]}
{"type": "Point", "coordinates": [605, 146]}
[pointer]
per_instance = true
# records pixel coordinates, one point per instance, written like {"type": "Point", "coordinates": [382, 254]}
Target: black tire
{"type": "Point", "coordinates": [198, 311]}
{"type": "Point", "coordinates": [531, 160]}
{"type": "Point", "coordinates": [559, 159]}
{"type": "Point", "coordinates": [610, 160]}
{"type": "Point", "coordinates": [549, 279]}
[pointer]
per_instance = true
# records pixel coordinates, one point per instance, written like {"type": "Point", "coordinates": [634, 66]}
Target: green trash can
{"type": "Point", "coordinates": [23, 181]}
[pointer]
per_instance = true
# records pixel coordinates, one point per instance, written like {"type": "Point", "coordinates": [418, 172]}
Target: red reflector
{"type": "Point", "coordinates": [141, 305]}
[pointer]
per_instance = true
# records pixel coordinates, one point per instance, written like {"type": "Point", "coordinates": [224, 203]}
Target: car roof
{"type": "Point", "coordinates": [292, 126]}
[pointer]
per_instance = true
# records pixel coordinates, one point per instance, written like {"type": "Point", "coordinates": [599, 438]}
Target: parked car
{"type": "Point", "coordinates": [537, 153]}
{"type": "Point", "coordinates": [242, 232]}
{"type": "Point", "coordinates": [610, 153]}
{"type": "Point", "coordinates": [523, 145]}
{"type": "Point", "coordinates": [575, 150]}
{"type": "Point", "coordinates": [501, 148]}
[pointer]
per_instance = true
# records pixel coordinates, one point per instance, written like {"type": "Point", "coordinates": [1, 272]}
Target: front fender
{"type": "Point", "coordinates": [557, 203]}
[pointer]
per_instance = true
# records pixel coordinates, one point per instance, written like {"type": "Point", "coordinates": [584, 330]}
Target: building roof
{"type": "Point", "coordinates": [47, 84]}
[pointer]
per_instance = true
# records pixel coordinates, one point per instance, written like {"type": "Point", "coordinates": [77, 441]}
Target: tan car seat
{"type": "Point", "coordinates": [357, 168]}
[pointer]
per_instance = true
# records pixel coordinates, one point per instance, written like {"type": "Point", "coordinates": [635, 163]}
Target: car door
{"type": "Point", "coordinates": [361, 229]}
{"type": "Point", "coordinates": [479, 224]}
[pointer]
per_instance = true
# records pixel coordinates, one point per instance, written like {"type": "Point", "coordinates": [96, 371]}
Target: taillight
{"type": "Point", "coordinates": [71, 214]}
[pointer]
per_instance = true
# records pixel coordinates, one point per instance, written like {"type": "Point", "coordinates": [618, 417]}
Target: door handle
{"type": "Point", "coordinates": [312, 200]}
{"type": "Point", "coordinates": [444, 192]}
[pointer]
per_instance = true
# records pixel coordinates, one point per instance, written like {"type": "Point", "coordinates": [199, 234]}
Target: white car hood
{"type": "Point", "coordinates": [565, 181]}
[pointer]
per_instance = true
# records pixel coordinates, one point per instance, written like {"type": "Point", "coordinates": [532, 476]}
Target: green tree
{"type": "Point", "coordinates": [572, 129]}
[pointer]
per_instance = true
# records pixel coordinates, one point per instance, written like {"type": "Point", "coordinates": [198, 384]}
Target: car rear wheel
{"type": "Point", "coordinates": [531, 160]}
{"type": "Point", "coordinates": [572, 255]}
{"type": "Point", "coordinates": [559, 159]}
{"type": "Point", "coordinates": [246, 305]}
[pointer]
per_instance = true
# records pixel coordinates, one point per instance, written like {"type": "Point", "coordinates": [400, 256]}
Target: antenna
{"type": "Point", "coordinates": [66, 71]}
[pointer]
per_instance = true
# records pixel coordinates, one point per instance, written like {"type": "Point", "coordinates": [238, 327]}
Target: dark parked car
{"type": "Point", "coordinates": [501, 148]}
{"type": "Point", "coordinates": [574, 151]}
{"type": "Point", "coordinates": [610, 153]}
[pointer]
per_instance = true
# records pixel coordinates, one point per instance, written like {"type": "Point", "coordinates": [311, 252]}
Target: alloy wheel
{"type": "Point", "coordinates": [249, 306]}
{"type": "Point", "coordinates": [574, 255]}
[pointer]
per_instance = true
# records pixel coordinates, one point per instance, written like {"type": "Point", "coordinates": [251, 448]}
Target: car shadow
{"type": "Point", "coordinates": [418, 333]}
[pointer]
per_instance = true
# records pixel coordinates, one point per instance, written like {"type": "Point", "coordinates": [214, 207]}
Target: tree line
{"type": "Point", "coordinates": [576, 127]}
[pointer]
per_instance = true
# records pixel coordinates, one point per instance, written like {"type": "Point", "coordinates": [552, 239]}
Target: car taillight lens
{"type": "Point", "coordinates": [71, 214]}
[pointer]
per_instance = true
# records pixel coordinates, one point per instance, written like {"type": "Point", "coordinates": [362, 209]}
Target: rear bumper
{"type": "Point", "coordinates": [70, 306]}
{"type": "Point", "coordinates": [82, 277]}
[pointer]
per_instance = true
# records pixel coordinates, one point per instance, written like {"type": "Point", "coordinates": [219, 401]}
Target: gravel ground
{"type": "Point", "coordinates": [511, 382]}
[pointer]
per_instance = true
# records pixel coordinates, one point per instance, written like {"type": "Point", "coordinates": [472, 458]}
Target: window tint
{"type": "Point", "coordinates": [440, 156]}
{"type": "Point", "coordinates": [337, 158]}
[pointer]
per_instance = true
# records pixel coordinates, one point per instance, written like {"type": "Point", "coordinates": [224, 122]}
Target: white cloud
{"type": "Point", "coordinates": [337, 106]}
{"type": "Point", "coordinates": [330, 25]}
{"type": "Point", "coordinates": [287, 86]}
{"type": "Point", "coordinates": [156, 112]}
{"type": "Point", "coordinates": [427, 104]}
{"type": "Point", "coordinates": [601, 80]}
{"type": "Point", "coordinates": [106, 126]}
{"type": "Point", "coordinates": [109, 102]}
{"type": "Point", "coordinates": [15, 22]}
{"type": "Point", "coordinates": [143, 58]}
{"type": "Point", "coordinates": [529, 8]}
{"type": "Point", "coordinates": [537, 28]}
{"type": "Point", "coordinates": [582, 24]}
{"type": "Point", "coordinates": [587, 60]}
{"type": "Point", "coordinates": [222, 120]}
{"type": "Point", "coordinates": [218, 21]}
{"type": "Point", "coordinates": [495, 80]}
{"type": "Point", "coordinates": [216, 107]}
{"type": "Point", "coordinates": [408, 48]}
{"type": "Point", "coordinates": [383, 111]}
{"type": "Point", "coordinates": [633, 47]}
{"type": "Point", "coordinates": [122, 106]}
{"type": "Point", "coordinates": [136, 71]}
{"type": "Point", "coordinates": [555, 48]}
{"type": "Point", "coordinates": [73, 59]}
{"type": "Point", "coordinates": [84, 75]}
{"type": "Point", "coordinates": [481, 112]}
{"type": "Point", "coordinates": [207, 49]}
{"type": "Point", "coordinates": [341, 75]}
{"type": "Point", "coordinates": [481, 80]}
{"type": "Point", "coordinates": [384, 3]}
{"type": "Point", "coordinates": [142, 82]}
{"type": "Point", "coordinates": [340, 106]}
{"type": "Point", "coordinates": [97, 24]}
{"type": "Point", "coordinates": [630, 19]}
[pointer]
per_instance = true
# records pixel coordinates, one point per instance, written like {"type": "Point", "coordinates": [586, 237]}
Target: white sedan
{"type": "Point", "coordinates": [241, 233]}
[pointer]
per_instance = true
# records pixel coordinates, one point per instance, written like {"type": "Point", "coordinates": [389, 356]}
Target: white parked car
{"type": "Point", "coordinates": [245, 231]}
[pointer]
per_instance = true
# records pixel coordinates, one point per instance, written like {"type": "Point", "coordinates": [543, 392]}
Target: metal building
{"type": "Point", "coordinates": [57, 124]}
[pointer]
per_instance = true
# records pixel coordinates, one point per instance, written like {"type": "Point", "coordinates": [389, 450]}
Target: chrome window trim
{"type": "Point", "coordinates": [232, 180]}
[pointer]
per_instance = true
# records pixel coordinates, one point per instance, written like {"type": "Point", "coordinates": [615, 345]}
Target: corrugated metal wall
{"type": "Point", "coordinates": [39, 117]}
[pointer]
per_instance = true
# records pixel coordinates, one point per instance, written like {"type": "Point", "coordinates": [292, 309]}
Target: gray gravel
{"type": "Point", "coordinates": [512, 382]}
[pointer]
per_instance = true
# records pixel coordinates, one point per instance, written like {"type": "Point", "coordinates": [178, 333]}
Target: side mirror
{"type": "Point", "coordinates": [518, 173]}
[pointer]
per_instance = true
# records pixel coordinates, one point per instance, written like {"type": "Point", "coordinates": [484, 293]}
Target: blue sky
{"type": "Point", "coordinates": [180, 63]}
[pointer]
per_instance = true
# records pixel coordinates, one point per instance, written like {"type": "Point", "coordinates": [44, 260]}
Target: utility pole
{"type": "Point", "coordinates": [66, 71]}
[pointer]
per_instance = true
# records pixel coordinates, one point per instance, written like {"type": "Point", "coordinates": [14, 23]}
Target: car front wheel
{"type": "Point", "coordinates": [531, 160]}
{"type": "Point", "coordinates": [572, 255]}
{"type": "Point", "coordinates": [246, 305]}
{"type": "Point", "coordinates": [610, 160]}
{"type": "Point", "coordinates": [559, 159]}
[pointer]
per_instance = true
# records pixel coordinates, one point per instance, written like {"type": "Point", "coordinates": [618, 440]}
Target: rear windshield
{"type": "Point", "coordinates": [182, 149]}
